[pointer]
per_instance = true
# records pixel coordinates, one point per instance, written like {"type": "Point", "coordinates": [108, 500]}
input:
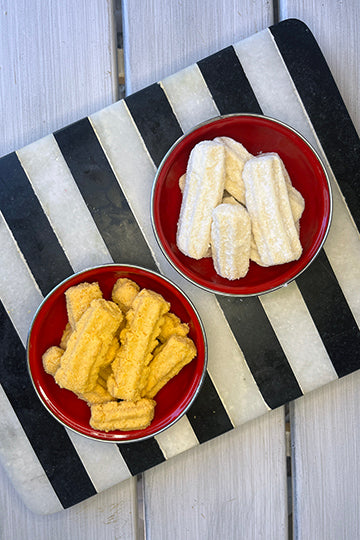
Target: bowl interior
{"type": "Point", "coordinates": [49, 323]}
{"type": "Point", "coordinates": [258, 135]}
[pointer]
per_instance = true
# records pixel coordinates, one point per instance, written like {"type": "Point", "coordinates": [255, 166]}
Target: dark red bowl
{"type": "Point", "coordinates": [173, 400]}
{"type": "Point", "coordinates": [258, 134]}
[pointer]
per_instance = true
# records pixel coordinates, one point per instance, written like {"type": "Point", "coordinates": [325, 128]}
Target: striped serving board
{"type": "Point", "coordinates": [81, 197]}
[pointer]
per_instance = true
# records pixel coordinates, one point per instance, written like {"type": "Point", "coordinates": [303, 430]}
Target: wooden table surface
{"type": "Point", "coordinates": [58, 64]}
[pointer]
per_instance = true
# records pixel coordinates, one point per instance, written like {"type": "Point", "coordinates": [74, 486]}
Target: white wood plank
{"type": "Point", "coordinates": [108, 515]}
{"type": "Point", "coordinates": [226, 365]}
{"type": "Point", "coordinates": [162, 37]}
{"type": "Point", "coordinates": [234, 487]}
{"type": "Point", "coordinates": [236, 482]}
{"type": "Point", "coordinates": [335, 25]}
{"type": "Point", "coordinates": [325, 424]}
{"type": "Point", "coordinates": [58, 64]}
{"type": "Point", "coordinates": [326, 442]}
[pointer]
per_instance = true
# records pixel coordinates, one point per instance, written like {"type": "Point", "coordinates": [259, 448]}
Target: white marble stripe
{"type": "Point", "coordinates": [177, 438]}
{"type": "Point", "coordinates": [18, 289]}
{"type": "Point", "coordinates": [298, 337]}
{"type": "Point", "coordinates": [120, 140]}
{"type": "Point", "coordinates": [270, 79]}
{"type": "Point", "coordinates": [193, 103]}
{"type": "Point", "coordinates": [189, 96]}
{"type": "Point", "coordinates": [22, 465]}
{"type": "Point", "coordinates": [63, 204]}
{"type": "Point", "coordinates": [286, 308]}
{"type": "Point", "coordinates": [343, 250]}
{"type": "Point", "coordinates": [127, 156]}
{"type": "Point", "coordinates": [102, 461]}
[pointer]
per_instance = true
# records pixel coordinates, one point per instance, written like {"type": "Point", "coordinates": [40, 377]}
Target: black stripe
{"type": "Point", "coordinates": [103, 195]}
{"type": "Point", "coordinates": [262, 350]}
{"type": "Point", "coordinates": [155, 120]}
{"type": "Point", "coordinates": [141, 106]}
{"type": "Point", "coordinates": [141, 455]}
{"type": "Point", "coordinates": [159, 129]}
{"type": "Point", "coordinates": [232, 92]}
{"type": "Point", "coordinates": [30, 227]}
{"type": "Point", "coordinates": [324, 105]}
{"type": "Point", "coordinates": [48, 438]}
{"type": "Point", "coordinates": [331, 314]}
{"type": "Point", "coordinates": [207, 415]}
{"type": "Point", "coordinates": [227, 83]}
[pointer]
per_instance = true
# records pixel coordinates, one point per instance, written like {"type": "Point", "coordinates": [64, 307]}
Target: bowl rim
{"type": "Point", "coordinates": [203, 336]}
{"type": "Point", "coordinates": [214, 120]}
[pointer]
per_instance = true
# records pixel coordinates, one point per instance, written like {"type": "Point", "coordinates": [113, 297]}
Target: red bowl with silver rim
{"type": "Point", "coordinates": [259, 134]}
{"type": "Point", "coordinates": [172, 401]}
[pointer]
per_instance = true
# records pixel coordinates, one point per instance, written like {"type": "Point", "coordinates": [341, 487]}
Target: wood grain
{"type": "Point", "coordinates": [326, 443]}
{"type": "Point", "coordinates": [234, 486]}
{"type": "Point", "coordinates": [325, 424]}
{"type": "Point", "coordinates": [162, 37]}
{"type": "Point", "coordinates": [108, 515]}
{"type": "Point", "coordinates": [58, 64]}
{"type": "Point", "coordinates": [335, 25]}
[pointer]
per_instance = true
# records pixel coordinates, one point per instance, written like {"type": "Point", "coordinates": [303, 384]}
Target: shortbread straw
{"type": "Point", "coordinates": [236, 156]}
{"type": "Point", "coordinates": [169, 359]}
{"type": "Point", "coordinates": [88, 346]}
{"type": "Point", "coordinates": [133, 356]}
{"type": "Point", "coordinates": [203, 191]}
{"type": "Point", "coordinates": [122, 415]}
{"type": "Point", "coordinates": [79, 298]}
{"type": "Point", "coordinates": [297, 204]}
{"type": "Point", "coordinates": [138, 340]}
{"type": "Point", "coordinates": [268, 204]}
{"type": "Point", "coordinates": [231, 240]}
